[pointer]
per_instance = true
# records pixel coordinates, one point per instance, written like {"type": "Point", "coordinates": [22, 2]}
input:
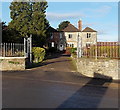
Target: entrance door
{"type": "Point", "coordinates": [61, 47]}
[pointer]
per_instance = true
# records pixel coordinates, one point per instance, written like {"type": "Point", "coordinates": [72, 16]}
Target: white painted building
{"type": "Point", "coordinates": [88, 36]}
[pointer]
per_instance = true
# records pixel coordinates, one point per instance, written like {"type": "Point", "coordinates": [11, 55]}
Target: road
{"type": "Point", "coordinates": [56, 84]}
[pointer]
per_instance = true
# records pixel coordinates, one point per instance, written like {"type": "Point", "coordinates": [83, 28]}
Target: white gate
{"type": "Point", "coordinates": [28, 48]}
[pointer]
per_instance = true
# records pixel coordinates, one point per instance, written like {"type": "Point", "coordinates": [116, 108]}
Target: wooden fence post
{"type": "Point", "coordinates": [96, 51]}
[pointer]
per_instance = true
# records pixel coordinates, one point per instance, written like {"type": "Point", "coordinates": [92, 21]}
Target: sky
{"type": "Point", "coordinates": [100, 16]}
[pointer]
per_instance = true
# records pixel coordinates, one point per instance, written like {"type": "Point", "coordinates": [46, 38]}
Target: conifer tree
{"type": "Point", "coordinates": [28, 17]}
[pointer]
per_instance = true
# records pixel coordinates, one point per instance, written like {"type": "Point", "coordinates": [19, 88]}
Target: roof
{"type": "Point", "coordinates": [51, 29]}
{"type": "Point", "coordinates": [87, 29]}
{"type": "Point", "coordinates": [71, 28]}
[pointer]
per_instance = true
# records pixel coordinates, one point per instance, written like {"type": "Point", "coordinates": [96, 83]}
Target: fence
{"type": "Point", "coordinates": [102, 50]}
{"type": "Point", "coordinates": [11, 50]}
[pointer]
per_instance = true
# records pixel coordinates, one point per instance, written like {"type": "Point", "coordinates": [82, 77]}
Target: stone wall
{"type": "Point", "coordinates": [101, 68]}
{"type": "Point", "coordinates": [12, 63]}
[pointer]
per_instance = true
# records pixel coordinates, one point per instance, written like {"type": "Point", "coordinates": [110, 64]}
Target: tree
{"type": "Point", "coordinates": [63, 25]}
{"type": "Point", "coordinates": [9, 35]}
{"type": "Point", "coordinates": [29, 18]}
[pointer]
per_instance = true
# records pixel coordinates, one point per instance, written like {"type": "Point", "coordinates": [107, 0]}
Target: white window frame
{"type": "Point", "coordinates": [88, 35]}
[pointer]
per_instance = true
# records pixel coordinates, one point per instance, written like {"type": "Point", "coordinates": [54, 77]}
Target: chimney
{"type": "Point", "coordinates": [80, 25]}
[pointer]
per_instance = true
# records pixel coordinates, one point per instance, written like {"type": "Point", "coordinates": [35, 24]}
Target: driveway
{"type": "Point", "coordinates": [55, 84]}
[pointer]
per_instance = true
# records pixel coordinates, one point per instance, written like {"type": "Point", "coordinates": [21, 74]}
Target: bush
{"type": "Point", "coordinates": [38, 53]}
{"type": "Point", "coordinates": [73, 50]}
{"type": "Point", "coordinates": [19, 54]}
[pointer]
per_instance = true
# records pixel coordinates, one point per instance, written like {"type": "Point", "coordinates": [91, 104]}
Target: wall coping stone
{"type": "Point", "coordinates": [13, 57]}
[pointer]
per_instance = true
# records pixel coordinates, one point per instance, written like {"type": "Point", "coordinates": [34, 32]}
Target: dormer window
{"type": "Point", "coordinates": [88, 35]}
{"type": "Point", "coordinates": [70, 36]}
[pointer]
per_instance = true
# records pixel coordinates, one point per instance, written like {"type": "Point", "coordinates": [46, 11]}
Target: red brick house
{"type": "Point", "coordinates": [56, 39]}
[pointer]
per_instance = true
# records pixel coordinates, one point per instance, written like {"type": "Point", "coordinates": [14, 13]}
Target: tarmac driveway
{"type": "Point", "coordinates": [55, 84]}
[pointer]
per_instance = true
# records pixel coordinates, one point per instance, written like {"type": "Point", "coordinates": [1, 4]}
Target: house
{"type": "Point", "coordinates": [87, 36]}
{"type": "Point", "coordinates": [70, 36]}
{"type": "Point", "coordinates": [56, 39]}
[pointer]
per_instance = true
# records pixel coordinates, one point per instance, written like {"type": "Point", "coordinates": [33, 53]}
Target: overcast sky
{"type": "Point", "coordinates": [101, 16]}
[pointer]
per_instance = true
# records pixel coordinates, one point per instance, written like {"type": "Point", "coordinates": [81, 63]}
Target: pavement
{"type": "Point", "coordinates": [56, 84]}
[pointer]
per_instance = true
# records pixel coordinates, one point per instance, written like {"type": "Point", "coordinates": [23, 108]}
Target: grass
{"type": "Point", "coordinates": [12, 62]}
{"type": "Point", "coordinates": [73, 64]}
{"type": "Point", "coordinates": [1, 60]}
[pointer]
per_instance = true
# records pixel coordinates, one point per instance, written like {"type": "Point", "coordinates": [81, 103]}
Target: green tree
{"type": "Point", "coordinates": [29, 18]}
{"type": "Point", "coordinates": [63, 25]}
{"type": "Point", "coordinates": [9, 35]}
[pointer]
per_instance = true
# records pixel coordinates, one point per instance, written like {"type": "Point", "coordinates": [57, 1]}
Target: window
{"type": "Point", "coordinates": [60, 35]}
{"type": "Point", "coordinates": [51, 35]}
{"type": "Point", "coordinates": [70, 36]}
{"type": "Point", "coordinates": [72, 45]}
{"type": "Point", "coordinates": [67, 45]}
{"type": "Point", "coordinates": [52, 44]}
{"type": "Point", "coordinates": [88, 35]}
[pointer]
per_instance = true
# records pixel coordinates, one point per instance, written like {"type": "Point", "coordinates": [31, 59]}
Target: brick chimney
{"type": "Point", "coordinates": [80, 25]}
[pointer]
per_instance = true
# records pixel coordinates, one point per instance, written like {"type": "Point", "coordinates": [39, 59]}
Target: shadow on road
{"type": "Point", "coordinates": [89, 95]}
{"type": "Point", "coordinates": [53, 55]}
{"type": "Point", "coordinates": [34, 65]}
{"type": "Point", "coordinates": [48, 60]}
